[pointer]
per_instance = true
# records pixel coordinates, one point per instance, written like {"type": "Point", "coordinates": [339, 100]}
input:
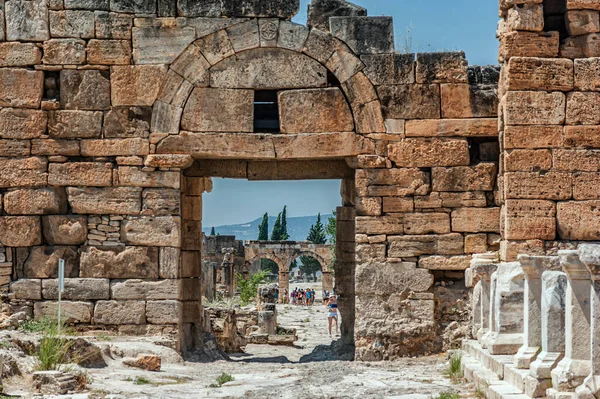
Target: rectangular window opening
{"type": "Point", "coordinates": [266, 112]}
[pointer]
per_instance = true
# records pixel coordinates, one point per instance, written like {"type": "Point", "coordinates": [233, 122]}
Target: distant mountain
{"type": "Point", "coordinates": [297, 228]}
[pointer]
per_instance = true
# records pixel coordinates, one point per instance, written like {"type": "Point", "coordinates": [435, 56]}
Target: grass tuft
{"type": "Point", "coordinates": [53, 349]}
{"type": "Point", "coordinates": [454, 369]}
{"type": "Point", "coordinates": [142, 381]}
{"type": "Point", "coordinates": [448, 395]}
{"type": "Point", "coordinates": [222, 379]}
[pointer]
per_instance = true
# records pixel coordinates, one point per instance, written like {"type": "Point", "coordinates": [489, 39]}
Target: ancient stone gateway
{"type": "Point", "coordinates": [285, 252]}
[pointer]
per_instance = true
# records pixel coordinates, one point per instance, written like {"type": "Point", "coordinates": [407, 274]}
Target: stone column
{"type": "Point", "coordinates": [575, 366]}
{"type": "Point", "coordinates": [472, 280]}
{"type": "Point", "coordinates": [484, 273]}
{"type": "Point", "coordinates": [533, 267]}
{"type": "Point", "coordinates": [590, 256]}
{"type": "Point", "coordinates": [327, 280]}
{"type": "Point", "coordinates": [284, 283]}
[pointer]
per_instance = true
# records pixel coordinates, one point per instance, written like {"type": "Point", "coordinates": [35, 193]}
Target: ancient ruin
{"type": "Point", "coordinates": [115, 115]}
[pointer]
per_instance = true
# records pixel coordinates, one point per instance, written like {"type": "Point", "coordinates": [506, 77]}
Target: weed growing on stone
{"type": "Point", "coordinates": [53, 349]}
{"type": "Point", "coordinates": [141, 381]}
{"type": "Point", "coordinates": [448, 395]}
{"type": "Point", "coordinates": [104, 337]}
{"type": "Point", "coordinates": [454, 370]}
{"type": "Point", "coordinates": [222, 379]}
{"type": "Point", "coordinates": [37, 325]}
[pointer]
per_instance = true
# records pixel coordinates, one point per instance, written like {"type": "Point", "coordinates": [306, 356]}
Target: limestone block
{"type": "Point", "coordinates": [180, 161]}
{"type": "Point", "coordinates": [533, 136]}
{"type": "Point", "coordinates": [144, 289]}
{"type": "Point", "coordinates": [64, 52]}
{"type": "Point", "coordinates": [368, 206]}
{"type": "Point", "coordinates": [476, 220]}
{"type": "Point", "coordinates": [15, 148]}
{"type": "Point", "coordinates": [163, 312]}
{"type": "Point", "coordinates": [441, 68]}
{"type": "Point", "coordinates": [136, 7]}
{"type": "Point", "coordinates": [27, 20]}
{"type": "Point", "coordinates": [72, 23]}
{"type": "Point", "coordinates": [244, 36]}
{"type": "Point", "coordinates": [87, 4]}
{"type": "Point", "coordinates": [206, 145]}
{"type": "Point", "coordinates": [120, 312]}
{"type": "Point", "coordinates": [22, 123]}
{"type": "Point", "coordinates": [75, 124]}
{"type": "Point", "coordinates": [283, 9]}
{"type": "Point", "coordinates": [175, 89]}
{"type": "Point", "coordinates": [582, 22]}
{"type": "Point", "coordinates": [319, 12]}
{"type": "Point", "coordinates": [119, 262]}
{"type": "Point", "coordinates": [576, 160]}
{"type": "Point", "coordinates": [160, 231]}
{"type": "Point", "coordinates": [215, 47]}
{"type": "Point", "coordinates": [42, 262]}
{"type": "Point", "coordinates": [527, 160]}
{"type": "Point", "coordinates": [530, 220]}
{"type": "Point", "coordinates": [65, 229]}
{"type": "Point", "coordinates": [110, 25]}
{"type": "Point", "coordinates": [445, 262]}
{"type": "Point", "coordinates": [19, 54]}
{"type": "Point", "coordinates": [584, 46]}
{"type": "Point", "coordinates": [328, 109]}
{"type": "Point", "coordinates": [55, 147]}
{"type": "Point", "coordinates": [365, 35]}
{"type": "Point", "coordinates": [526, 17]}
{"type": "Point", "coordinates": [109, 52]}
{"type": "Point", "coordinates": [20, 231]}
{"type": "Point", "coordinates": [219, 110]}
{"type": "Point", "coordinates": [587, 74]}
{"type": "Point", "coordinates": [93, 174]}
{"type": "Point", "coordinates": [583, 108]}
{"type": "Point", "coordinates": [115, 147]}
{"type": "Point", "coordinates": [2, 25]}
{"type": "Point", "coordinates": [527, 73]}
{"type": "Point", "coordinates": [292, 36]}
{"type": "Point", "coordinates": [127, 122]}
{"type": "Point", "coordinates": [379, 225]}
{"type": "Point", "coordinates": [167, 8]}
{"type": "Point", "coordinates": [132, 176]}
{"type": "Point", "coordinates": [191, 65]}
{"type": "Point", "coordinates": [35, 201]}
{"type": "Point", "coordinates": [459, 100]}
{"type": "Point", "coordinates": [84, 90]}
{"type": "Point", "coordinates": [207, 26]}
{"type": "Point", "coordinates": [77, 289]}
{"type": "Point", "coordinates": [389, 69]}
{"type": "Point", "coordinates": [169, 262]}
{"type": "Point", "coordinates": [320, 146]}
{"type": "Point", "coordinates": [160, 41]}
{"type": "Point", "coordinates": [398, 205]}
{"type": "Point", "coordinates": [369, 118]}
{"type": "Point", "coordinates": [161, 202]}
{"type": "Point", "coordinates": [136, 85]}
{"type": "Point", "coordinates": [72, 312]}
{"type": "Point", "coordinates": [414, 101]}
{"type": "Point", "coordinates": [480, 177]}
{"type": "Point", "coordinates": [582, 4]}
{"type": "Point", "coordinates": [23, 172]}
{"type": "Point", "coordinates": [585, 186]}
{"type": "Point", "coordinates": [368, 253]}
{"type": "Point", "coordinates": [582, 136]}
{"type": "Point", "coordinates": [105, 201]}
{"type": "Point", "coordinates": [534, 108]}
{"type": "Point", "coordinates": [476, 243]}
{"type": "Point", "coordinates": [578, 220]}
{"type": "Point", "coordinates": [272, 69]}
{"type": "Point", "coordinates": [423, 153]}
{"type": "Point", "coordinates": [320, 45]}
{"type": "Point", "coordinates": [344, 64]}
{"type": "Point", "coordinates": [529, 44]}
{"type": "Point", "coordinates": [384, 278]}
{"type": "Point", "coordinates": [417, 245]}
{"type": "Point", "coordinates": [27, 289]}
{"type": "Point", "coordinates": [535, 185]}
{"type": "Point", "coordinates": [426, 223]}
{"type": "Point", "coordinates": [21, 88]}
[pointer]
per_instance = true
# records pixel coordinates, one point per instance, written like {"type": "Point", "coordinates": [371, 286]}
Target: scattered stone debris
{"type": "Point", "coordinates": [144, 361]}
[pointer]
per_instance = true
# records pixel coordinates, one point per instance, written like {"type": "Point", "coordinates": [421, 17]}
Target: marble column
{"type": "Point", "coordinates": [484, 273]}
{"type": "Point", "coordinates": [576, 365]}
{"type": "Point", "coordinates": [533, 267]}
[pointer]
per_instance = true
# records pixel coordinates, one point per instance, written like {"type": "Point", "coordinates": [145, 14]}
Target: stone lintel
{"type": "Point", "coordinates": [534, 266]}
{"type": "Point", "coordinates": [572, 265]}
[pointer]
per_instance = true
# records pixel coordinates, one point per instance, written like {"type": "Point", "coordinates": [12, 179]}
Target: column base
{"type": "Point", "coordinates": [482, 336]}
{"type": "Point", "coordinates": [542, 367]}
{"type": "Point", "coordinates": [536, 388]}
{"type": "Point", "coordinates": [569, 374]}
{"type": "Point", "coordinates": [554, 394]}
{"type": "Point", "coordinates": [505, 344]}
{"type": "Point", "coordinates": [590, 388]}
{"type": "Point", "coordinates": [525, 356]}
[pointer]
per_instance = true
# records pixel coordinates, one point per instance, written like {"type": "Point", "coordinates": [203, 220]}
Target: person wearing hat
{"type": "Point", "coordinates": [332, 314]}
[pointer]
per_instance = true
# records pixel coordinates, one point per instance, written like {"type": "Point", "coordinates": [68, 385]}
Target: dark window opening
{"type": "Point", "coordinates": [266, 112]}
{"type": "Point", "coordinates": [332, 80]}
{"type": "Point", "coordinates": [554, 17]}
{"type": "Point", "coordinates": [484, 149]}
{"type": "Point", "coordinates": [51, 85]}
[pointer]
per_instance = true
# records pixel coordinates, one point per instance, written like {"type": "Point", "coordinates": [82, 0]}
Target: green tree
{"type": "Point", "coordinates": [248, 288]}
{"type": "Point", "coordinates": [263, 228]}
{"type": "Point", "coordinates": [331, 228]}
{"type": "Point", "coordinates": [276, 233]}
{"type": "Point", "coordinates": [284, 233]}
{"type": "Point", "coordinates": [316, 235]}
{"type": "Point", "coordinates": [212, 231]}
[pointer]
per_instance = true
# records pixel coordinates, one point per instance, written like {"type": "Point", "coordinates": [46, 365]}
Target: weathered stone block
{"type": "Point", "coordinates": [219, 110]}
{"type": "Point", "coordinates": [163, 312]}
{"type": "Point", "coordinates": [272, 69]}
{"type": "Point", "coordinates": [533, 136]}
{"type": "Point", "coordinates": [441, 68]}
{"type": "Point", "coordinates": [15, 148]}
{"type": "Point", "coordinates": [528, 17]}
{"type": "Point", "coordinates": [72, 312]}
{"type": "Point", "coordinates": [132, 176]}
{"type": "Point", "coordinates": [161, 202]}
{"type": "Point", "coordinates": [283, 9]}
{"type": "Point", "coordinates": [136, 7]}
{"type": "Point", "coordinates": [328, 109]}
{"type": "Point", "coordinates": [534, 108]}
{"type": "Point", "coordinates": [344, 64]}
{"type": "Point", "coordinates": [530, 220]}
{"type": "Point", "coordinates": [109, 52]}
{"type": "Point", "coordinates": [22, 123]}
{"type": "Point", "coordinates": [582, 22]}
{"type": "Point", "coordinates": [42, 262]}
{"type": "Point", "coordinates": [105, 201]}
{"type": "Point", "coordinates": [423, 153]}
{"type": "Point", "coordinates": [365, 35]}
{"type": "Point", "coordinates": [379, 225]}
{"type": "Point", "coordinates": [55, 147]}
{"type": "Point", "coordinates": [21, 88]}
{"type": "Point", "coordinates": [476, 243]}
{"type": "Point", "coordinates": [64, 52]}
{"type": "Point", "coordinates": [136, 85]}
{"type": "Point", "coordinates": [426, 223]}
{"type": "Point", "coordinates": [23, 172]}
{"type": "Point", "coordinates": [467, 199]}
{"type": "Point", "coordinates": [20, 231]}
{"type": "Point", "coordinates": [179, 161]}
{"type": "Point", "coordinates": [75, 124]}
{"type": "Point", "coordinates": [160, 41]}
{"type": "Point", "coordinates": [409, 246]}
{"type": "Point", "coordinates": [115, 147]}
{"type": "Point", "coordinates": [576, 160]}
{"type": "Point", "coordinates": [121, 262]}
{"type": "Point", "coordinates": [529, 44]}
{"type": "Point", "coordinates": [583, 108]}
{"type": "Point", "coordinates": [476, 220]}
{"type": "Point", "coordinates": [215, 47]}
{"type": "Point", "coordinates": [410, 101]}
{"type": "Point", "coordinates": [549, 74]}
{"type": "Point", "coordinates": [35, 201]}
{"type": "Point", "coordinates": [245, 36]}
{"type": "Point", "coordinates": [389, 69]}
{"type": "Point", "coordinates": [87, 4]}
{"type": "Point", "coordinates": [144, 289]}
{"type": "Point", "coordinates": [578, 220]}
{"type": "Point", "coordinates": [127, 122]}
{"type": "Point", "coordinates": [110, 25]}
{"type": "Point", "coordinates": [535, 185]}
{"type": "Point", "coordinates": [72, 23]}
{"type": "Point", "coordinates": [585, 186]}
{"type": "Point", "coordinates": [77, 289]}
{"type": "Point", "coordinates": [398, 205]}
{"type": "Point", "coordinates": [587, 74]}
{"type": "Point", "coordinates": [19, 54]}
{"type": "Point", "coordinates": [85, 90]}
{"type": "Point", "coordinates": [368, 206]}
{"type": "Point", "coordinates": [169, 262]}
{"type": "Point", "coordinates": [528, 160]}
{"type": "Point", "coordinates": [120, 312]}
{"type": "Point", "coordinates": [27, 289]}
{"type": "Point", "coordinates": [27, 20]}
{"type": "Point", "coordinates": [160, 231]}
{"type": "Point", "coordinates": [459, 100]}
{"type": "Point", "coordinates": [582, 137]}
{"type": "Point", "coordinates": [445, 262]}
{"type": "Point", "coordinates": [94, 174]}
{"type": "Point", "coordinates": [582, 4]}
{"type": "Point", "coordinates": [414, 181]}
{"type": "Point", "coordinates": [480, 177]}
{"type": "Point", "coordinates": [381, 278]}
{"type": "Point", "coordinates": [65, 229]}
{"type": "Point", "coordinates": [319, 12]}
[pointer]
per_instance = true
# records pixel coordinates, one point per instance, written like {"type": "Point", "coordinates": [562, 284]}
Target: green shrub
{"type": "Point", "coordinates": [37, 325]}
{"type": "Point", "coordinates": [141, 381]}
{"type": "Point", "coordinates": [448, 395]}
{"type": "Point", "coordinates": [248, 288]}
{"type": "Point", "coordinates": [53, 349]}
{"type": "Point", "coordinates": [224, 378]}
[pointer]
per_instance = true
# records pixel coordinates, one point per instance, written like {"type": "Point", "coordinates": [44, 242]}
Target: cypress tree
{"type": "Point", "coordinates": [212, 231]}
{"type": "Point", "coordinates": [263, 228]}
{"type": "Point", "coordinates": [284, 233]}
{"type": "Point", "coordinates": [316, 235]}
{"type": "Point", "coordinates": [276, 233]}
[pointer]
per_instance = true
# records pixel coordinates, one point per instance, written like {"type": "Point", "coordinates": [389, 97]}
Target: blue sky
{"type": "Point", "coordinates": [431, 25]}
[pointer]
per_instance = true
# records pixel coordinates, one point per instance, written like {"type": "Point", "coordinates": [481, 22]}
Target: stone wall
{"type": "Point", "coordinates": [104, 104]}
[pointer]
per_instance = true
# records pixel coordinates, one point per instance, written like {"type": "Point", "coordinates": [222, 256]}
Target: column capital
{"type": "Point", "coordinates": [590, 256]}
{"type": "Point", "coordinates": [484, 271]}
{"type": "Point", "coordinates": [534, 266]}
{"type": "Point", "coordinates": [572, 265]}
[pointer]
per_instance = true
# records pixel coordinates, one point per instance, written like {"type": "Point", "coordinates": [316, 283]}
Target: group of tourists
{"type": "Point", "coordinates": [302, 297]}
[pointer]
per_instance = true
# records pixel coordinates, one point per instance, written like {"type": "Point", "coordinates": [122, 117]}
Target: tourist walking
{"type": "Point", "coordinates": [332, 314]}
